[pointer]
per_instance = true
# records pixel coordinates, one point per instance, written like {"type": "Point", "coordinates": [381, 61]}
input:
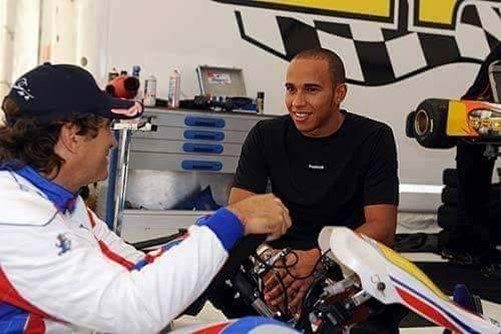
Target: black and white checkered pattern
{"type": "Point", "coordinates": [375, 56]}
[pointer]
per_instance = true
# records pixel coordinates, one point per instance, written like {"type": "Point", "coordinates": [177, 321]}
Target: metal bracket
{"type": "Point", "coordinates": [126, 127]}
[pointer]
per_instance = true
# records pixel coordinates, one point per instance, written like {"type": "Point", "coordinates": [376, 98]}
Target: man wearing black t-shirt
{"type": "Point", "coordinates": [328, 166]}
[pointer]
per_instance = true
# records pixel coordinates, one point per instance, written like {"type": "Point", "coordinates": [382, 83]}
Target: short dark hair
{"type": "Point", "coordinates": [335, 63]}
{"type": "Point", "coordinates": [28, 142]}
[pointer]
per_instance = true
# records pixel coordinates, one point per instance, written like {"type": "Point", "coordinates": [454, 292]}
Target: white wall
{"type": "Point", "coordinates": [19, 28]}
{"type": "Point", "coordinates": [75, 32]}
{"type": "Point", "coordinates": [58, 31]}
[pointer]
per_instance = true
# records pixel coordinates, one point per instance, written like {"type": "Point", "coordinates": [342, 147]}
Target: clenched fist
{"type": "Point", "coordinates": [262, 214]}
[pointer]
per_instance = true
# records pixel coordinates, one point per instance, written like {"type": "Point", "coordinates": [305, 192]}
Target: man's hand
{"type": "Point", "coordinates": [295, 288]}
{"type": "Point", "coordinates": [263, 214]}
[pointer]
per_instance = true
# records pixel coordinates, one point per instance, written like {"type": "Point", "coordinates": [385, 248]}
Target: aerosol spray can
{"type": "Point", "coordinates": [136, 70]}
{"type": "Point", "coordinates": [174, 89]}
{"type": "Point", "coordinates": [150, 91]}
{"type": "Point", "coordinates": [260, 102]}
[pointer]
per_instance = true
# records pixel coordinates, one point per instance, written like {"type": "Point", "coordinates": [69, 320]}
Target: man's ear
{"type": "Point", "coordinates": [340, 93]}
{"type": "Point", "coordinates": [68, 141]}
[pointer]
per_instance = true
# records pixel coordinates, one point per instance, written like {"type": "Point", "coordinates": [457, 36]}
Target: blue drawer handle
{"type": "Point", "coordinates": [204, 121]}
{"type": "Point", "coordinates": [203, 148]}
{"type": "Point", "coordinates": [203, 135]}
{"type": "Point", "coordinates": [201, 165]}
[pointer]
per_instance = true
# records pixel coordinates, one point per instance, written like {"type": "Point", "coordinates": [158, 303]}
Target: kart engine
{"type": "Point", "coordinates": [331, 304]}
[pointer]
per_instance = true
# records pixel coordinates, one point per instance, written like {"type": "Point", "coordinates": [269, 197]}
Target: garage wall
{"type": "Point", "coordinates": [19, 30]}
{"type": "Point", "coordinates": [397, 53]}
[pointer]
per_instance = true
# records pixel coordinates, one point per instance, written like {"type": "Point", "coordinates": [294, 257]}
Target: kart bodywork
{"type": "Point", "coordinates": [390, 278]}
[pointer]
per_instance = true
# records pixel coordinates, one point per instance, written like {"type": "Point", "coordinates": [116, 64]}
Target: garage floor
{"type": "Point", "coordinates": [407, 223]}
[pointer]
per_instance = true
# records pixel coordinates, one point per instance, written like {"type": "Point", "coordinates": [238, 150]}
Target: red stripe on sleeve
{"type": "Point", "coordinates": [107, 251]}
{"type": "Point", "coordinates": [36, 325]}
{"type": "Point", "coordinates": [115, 257]}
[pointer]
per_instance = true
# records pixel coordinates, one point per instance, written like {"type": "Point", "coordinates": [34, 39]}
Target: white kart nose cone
{"type": "Point", "coordinates": [324, 238]}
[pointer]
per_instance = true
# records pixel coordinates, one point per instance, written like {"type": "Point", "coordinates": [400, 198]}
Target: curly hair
{"type": "Point", "coordinates": [26, 141]}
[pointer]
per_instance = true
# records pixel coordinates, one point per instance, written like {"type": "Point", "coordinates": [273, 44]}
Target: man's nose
{"type": "Point", "coordinates": [298, 99]}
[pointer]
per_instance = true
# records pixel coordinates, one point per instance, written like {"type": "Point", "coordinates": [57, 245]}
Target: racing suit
{"type": "Point", "coordinates": [62, 269]}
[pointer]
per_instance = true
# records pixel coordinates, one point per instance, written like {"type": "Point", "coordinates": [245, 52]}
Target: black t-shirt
{"type": "Point", "coordinates": [323, 181]}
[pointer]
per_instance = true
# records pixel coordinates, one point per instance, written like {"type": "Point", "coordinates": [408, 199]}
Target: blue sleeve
{"type": "Point", "coordinates": [225, 225]}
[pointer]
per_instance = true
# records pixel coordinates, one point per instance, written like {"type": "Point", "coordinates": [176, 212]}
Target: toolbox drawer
{"type": "Point", "coordinates": [189, 133]}
{"type": "Point", "coordinates": [179, 162]}
{"type": "Point", "coordinates": [183, 118]}
{"type": "Point", "coordinates": [185, 147]}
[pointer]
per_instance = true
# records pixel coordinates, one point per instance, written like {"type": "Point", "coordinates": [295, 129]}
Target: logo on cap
{"type": "Point", "coordinates": [21, 87]}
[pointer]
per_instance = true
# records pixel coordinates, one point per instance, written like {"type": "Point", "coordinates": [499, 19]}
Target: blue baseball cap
{"type": "Point", "coordinates": [60, 92]}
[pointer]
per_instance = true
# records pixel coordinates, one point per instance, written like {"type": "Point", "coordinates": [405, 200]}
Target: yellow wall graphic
{"type": "Point", "coordinates": [369, 7]}
{"type": "Point", "coordinates": [437, 12]}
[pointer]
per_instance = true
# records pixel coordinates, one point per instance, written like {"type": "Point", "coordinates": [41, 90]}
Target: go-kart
{"type": "Point", "coordinates": [358, 278]}
{"type": "Point", "coordinates": [377, 272]}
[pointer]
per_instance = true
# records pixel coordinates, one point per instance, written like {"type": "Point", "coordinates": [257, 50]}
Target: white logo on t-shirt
{"type": "Point", "coordinates": [310, 166]}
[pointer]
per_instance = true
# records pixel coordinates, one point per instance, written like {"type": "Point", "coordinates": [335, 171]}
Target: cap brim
{"type": "Point", "coordinates": [117, 108]}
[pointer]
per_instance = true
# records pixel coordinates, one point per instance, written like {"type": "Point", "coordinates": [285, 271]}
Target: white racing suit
{"type": "Point", "coordinates": [62, 269]}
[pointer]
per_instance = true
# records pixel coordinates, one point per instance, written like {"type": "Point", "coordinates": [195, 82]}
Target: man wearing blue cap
{"type": "Point", "coordinates": [61, 268]}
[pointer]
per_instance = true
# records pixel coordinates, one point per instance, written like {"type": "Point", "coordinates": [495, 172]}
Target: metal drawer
{"type": "Point", "coordinates": [178, 118]}
{"type": "Point", "coordinates": [174, 162]}
{"type": "Point", "coordinates": [184, 147]}
{"type": "Point", "coordinates": [171, 133]}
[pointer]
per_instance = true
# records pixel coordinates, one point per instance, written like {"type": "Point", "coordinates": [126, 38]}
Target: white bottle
{"type": "Point", "coordinates": [150, 91]}
{"type": "Point", "coordinates": [174, 89]}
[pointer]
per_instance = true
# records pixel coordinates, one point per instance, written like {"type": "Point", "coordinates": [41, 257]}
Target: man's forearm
{"type": "Point", "coordinates": [385, 236]}
{"type": "Point", "coordinates": [381, 223]}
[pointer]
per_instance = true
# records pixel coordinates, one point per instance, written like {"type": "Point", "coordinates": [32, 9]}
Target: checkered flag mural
{"type": "Point", "coordinates": [375, 55]}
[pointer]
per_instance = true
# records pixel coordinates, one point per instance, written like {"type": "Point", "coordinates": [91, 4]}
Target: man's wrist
{"type": "Point", "coordinates": [226, 225]}
{"type": "Point", "coordinates": [242, 217]}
